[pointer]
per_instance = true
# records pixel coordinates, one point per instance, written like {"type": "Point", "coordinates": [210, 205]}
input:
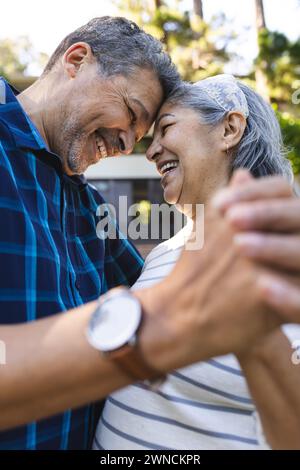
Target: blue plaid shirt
{"type": "Point", "coordinates": [51, 259]}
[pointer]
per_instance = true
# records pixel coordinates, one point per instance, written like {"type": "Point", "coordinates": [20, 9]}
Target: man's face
{"type": "Point", "coordinates": [103, 117]}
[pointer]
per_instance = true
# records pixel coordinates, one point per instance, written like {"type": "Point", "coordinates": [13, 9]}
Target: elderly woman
{"type": "Point", "coordinates": [203, 132]}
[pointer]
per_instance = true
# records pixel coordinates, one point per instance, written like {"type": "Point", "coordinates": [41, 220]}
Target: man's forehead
{"type": "Point", "coordinates": [145, 86]}
{"type": "Point", "coordinates": [144, 110]}
{"type": "Point", "coordinates": [149, 109]}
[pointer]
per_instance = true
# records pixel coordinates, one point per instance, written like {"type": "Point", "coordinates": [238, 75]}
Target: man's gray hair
{"type": "Point", "coordinates": [261, 148]}
{"type": "Point", "coordinates": [121, 47]}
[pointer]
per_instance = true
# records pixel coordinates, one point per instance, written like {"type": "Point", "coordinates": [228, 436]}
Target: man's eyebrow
{"type": "Point", "coordinates": [160, 118]}
{"type": "Point", "coordinates": [144, 110]}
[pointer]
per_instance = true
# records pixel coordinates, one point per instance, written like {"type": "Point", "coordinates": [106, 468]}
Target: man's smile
{"type": "Point", "coordinates": [101, 147]}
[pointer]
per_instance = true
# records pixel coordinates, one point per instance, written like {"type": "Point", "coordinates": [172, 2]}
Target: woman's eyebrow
{"type": "Point", "coordinates": [160, 118]}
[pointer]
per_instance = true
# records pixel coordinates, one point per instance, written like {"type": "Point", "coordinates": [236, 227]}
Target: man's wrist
{"type": "Point", "coordinates": [170, 327]}
{"type": "Point", "coordinates": [117, 337]}
{"type": "Point", "coordinates": [157, 335]}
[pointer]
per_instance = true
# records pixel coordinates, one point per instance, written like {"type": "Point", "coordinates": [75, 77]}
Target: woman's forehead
{"type": "Point", "coordinates": [173, 110]}
{"type": "Point", "coordinates": [166, 107]}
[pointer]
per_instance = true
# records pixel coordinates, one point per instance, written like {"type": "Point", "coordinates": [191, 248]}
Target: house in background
{"type": "Point", "coordinates": [134, 177]}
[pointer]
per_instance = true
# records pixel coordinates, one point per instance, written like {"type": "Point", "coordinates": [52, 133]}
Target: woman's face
{"type": "Point", "coordinates": [190, 157]}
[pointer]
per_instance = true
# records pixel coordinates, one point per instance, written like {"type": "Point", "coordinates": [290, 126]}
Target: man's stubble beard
{"type": "Point", "coordinates": [71, 147]}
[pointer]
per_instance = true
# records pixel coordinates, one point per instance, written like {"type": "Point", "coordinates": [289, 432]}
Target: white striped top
{"type": "Point", "coordinates": [204, 406]}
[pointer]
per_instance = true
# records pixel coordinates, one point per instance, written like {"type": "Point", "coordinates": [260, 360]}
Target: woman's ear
{"type": "Point", "coordinates": [234, 128]}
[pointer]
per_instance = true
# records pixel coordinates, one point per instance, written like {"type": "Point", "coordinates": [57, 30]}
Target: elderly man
{"type": "Point", "coordinates": [98, 95]}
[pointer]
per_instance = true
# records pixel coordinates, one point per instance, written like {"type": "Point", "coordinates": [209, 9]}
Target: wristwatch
{"type": "Point", "coordinates": [113, 330]}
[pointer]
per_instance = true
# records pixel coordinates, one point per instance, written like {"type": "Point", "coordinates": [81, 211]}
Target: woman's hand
{"type": "Point", "coordinates": [266, 217]}
{"type": "Point", "coordinates": [212, 304]}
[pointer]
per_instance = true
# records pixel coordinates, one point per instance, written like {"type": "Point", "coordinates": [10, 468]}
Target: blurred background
{"type": "Point", "coordinates": [256, 40]}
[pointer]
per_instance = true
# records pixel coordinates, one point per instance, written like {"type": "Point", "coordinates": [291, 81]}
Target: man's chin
{"type": "Point", "coordinates": [67, 171]}
{"type": "Point", "coordinates": [73, 168]}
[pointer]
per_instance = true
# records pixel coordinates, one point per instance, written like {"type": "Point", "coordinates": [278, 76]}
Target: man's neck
{"type": "Point", "coordinates": [33, 101]}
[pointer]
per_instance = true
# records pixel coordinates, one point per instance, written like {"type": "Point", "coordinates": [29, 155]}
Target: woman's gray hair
{"type": "Point", "coordinates": [261, 148]}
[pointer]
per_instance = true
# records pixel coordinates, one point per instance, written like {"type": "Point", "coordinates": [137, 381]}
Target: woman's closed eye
{"type": "Point", "coordinates": [165, 127]}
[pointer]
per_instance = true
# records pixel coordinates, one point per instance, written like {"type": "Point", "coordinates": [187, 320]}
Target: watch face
{"type": "Point", "coordinates": [115, 322]}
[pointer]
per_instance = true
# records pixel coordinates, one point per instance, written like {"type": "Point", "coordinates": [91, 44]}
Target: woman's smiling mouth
{"type": "Point", "coordinates": [166, 168]}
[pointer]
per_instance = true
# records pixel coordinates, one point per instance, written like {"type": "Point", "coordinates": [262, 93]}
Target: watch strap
{"type": "Point", "coordinates": [130, 360]}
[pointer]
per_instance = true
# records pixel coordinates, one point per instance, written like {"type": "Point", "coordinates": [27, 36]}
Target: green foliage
{"type": "Point", "coordinates": [16, 56]}
{"type": "Point", "coordinates": [290, 127]}
{"type": "Point", "coordinates": [279, 59]}
{"type": "Point", "coordinates": [205, 54]}
{"type": "Point", "coordinates": [198, 49]}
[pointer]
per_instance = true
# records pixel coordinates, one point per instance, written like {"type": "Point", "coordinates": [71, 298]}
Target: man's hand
{"type": "Point", "coordinates": [267, 217]}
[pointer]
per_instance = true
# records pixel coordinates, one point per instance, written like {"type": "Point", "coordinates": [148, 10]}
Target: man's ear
{"type": "Point", "coordinates": [234, 127]}
{"type": "Point", "coordinates": [75, 56]}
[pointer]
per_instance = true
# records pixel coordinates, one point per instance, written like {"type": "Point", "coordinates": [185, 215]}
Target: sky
{"type": "Point", "coordinates": [47, 22]}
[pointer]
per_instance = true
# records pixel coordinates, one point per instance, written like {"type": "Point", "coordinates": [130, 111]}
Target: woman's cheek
{"type": "Point", "coordinates": [178, 189]}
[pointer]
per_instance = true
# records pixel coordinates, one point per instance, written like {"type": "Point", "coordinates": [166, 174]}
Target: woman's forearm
{"type": "Point", "coordinates": [274, 383]}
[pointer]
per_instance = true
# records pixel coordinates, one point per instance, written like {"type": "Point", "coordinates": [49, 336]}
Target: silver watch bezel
{"type": "Point", "coordinates": [128, 337]}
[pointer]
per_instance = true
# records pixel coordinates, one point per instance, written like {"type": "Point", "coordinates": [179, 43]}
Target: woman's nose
{"type": "Point", "coordinates": [153, 151]}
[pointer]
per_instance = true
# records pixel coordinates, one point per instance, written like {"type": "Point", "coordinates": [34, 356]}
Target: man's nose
{"type": "Point", "coordinates": [154, 151]}
{"type": "Point", "coordinates": [126, 142]}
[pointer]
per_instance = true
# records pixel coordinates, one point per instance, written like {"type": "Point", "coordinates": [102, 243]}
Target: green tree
{"type": "Point", "coordinates": [279, 59]}
{"type": "Point", "coordinates": [260, 14]}
{"type": "Point", "coordinates": [200, 49]}
{"type": "Point", "coordinates": [290, 127]}
{"type": "Point", "coordinates": [17, 55]}
{"type": "Point", "coordinates": [197, 48]}
{"type": "Point", "coordinates": [277, 74]}
{"type": "Point", "coordinates": [198, 8]}
{"type": "Point", "coordinates": [260, 78]}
